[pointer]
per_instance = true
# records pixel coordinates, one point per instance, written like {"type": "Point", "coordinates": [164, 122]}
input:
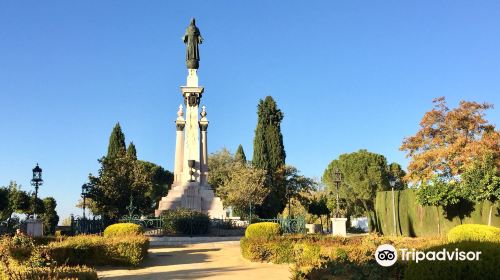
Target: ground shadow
{"type": "Point", "coordinates": [178, 257]}
{"type": "Point", "coordinates": [178, 274]}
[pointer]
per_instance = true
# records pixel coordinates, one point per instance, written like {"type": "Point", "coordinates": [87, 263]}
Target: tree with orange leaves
{"type": "Point", "coordinates": [449, 144]}
{"type": "Point", "coordinates": [450, 141]}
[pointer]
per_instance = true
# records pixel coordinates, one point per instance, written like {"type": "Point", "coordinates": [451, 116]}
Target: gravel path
{"type": "Point", "coordinates": [198, 261]}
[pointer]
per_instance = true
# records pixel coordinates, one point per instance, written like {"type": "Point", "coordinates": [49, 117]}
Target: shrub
{"type": "Point", "coordinates": [97, 250]}
{"type": "Point", "coordinates": [123, 229]}
{"type": "Point", "coordinates": [485, 268]}
{"type": "Point", "coordinates": [265, 230]}
{"type": "Point", "coordinates": [473, 232]}
{"type": "Point", "coordinates": [274, 251]}
{"type": "Point", "coordinates": [185, 221]}
{"type": "Point", "coordinates": [18, 272]}
{"type": "Point", "coordinates": [21, 259]}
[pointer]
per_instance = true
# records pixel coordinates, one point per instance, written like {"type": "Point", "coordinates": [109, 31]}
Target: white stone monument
{"type": "Point", "coordinates": [190, 188]}
{"type": "Point", "coordinates": [339, 226]}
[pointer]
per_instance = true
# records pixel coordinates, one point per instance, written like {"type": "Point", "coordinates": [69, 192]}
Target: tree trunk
{"type": "Point", "coordinates": [439, 226]}
{"type": "Point", "coordinates": [321, 222]}
{"type": "Point", "coordinates": [489, 215]}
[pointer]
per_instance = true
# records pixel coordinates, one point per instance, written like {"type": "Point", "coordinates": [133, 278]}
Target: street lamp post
{"type": "Point", "coordinates": [37, 181]}
{"type": "Point", "coordinates": [337, 179]}
{"type": "Point", "coordinates": [85, 192]}
{"type": "Point", "coordinates": [393, 183]}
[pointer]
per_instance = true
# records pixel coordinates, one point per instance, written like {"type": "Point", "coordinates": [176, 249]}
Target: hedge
{"type": "Point", "coordinates": [97, 250]}
{"type": "Point", "coordinates": [45, 273]}
{"type": "Point", "coordinates": [485, 268]}
{"type": "Point", "coordinates": [123, 229]}
{"type": "Point", "coordinates": [473, 232]}
{"type": "Point", "coordinates": [274, 251]}
{"type": "Point", "coordinates": [185, 221]}
{"type": "Point", "coordinates": [265, 230]}
{"type": "Point", "coordinates": [320, 257]}
{"type": "Point", "coordinates": [413, 219]}
{"type": "Point", "coordinates": [21, 258]}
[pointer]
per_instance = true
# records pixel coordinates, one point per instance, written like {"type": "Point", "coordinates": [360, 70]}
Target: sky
{"type": "Point", "coordinates": [348, 75]}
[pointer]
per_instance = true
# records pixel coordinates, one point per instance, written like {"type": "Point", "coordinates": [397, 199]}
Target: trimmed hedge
{"type": "Point", "coordinates": [21, 258]}
{"type": "Point", "coordinates": [265, 230]}
{"type": "Point", "coordinates": [43, 273]}
{"type": "Point", "coordinates": [258, 250]}
{"type": "Point", "coordinates": [415, 220]}
{"type": "Point", "coordinates": [185, 221]}
{"type": "Point", "coordinates": [472, 232]}
{"type": "Point", "coordinates": [97, 250]}
{"type": "Point", "coordinates": [123, 229]}
{"type": "Point", "coordinates": [485, 268]}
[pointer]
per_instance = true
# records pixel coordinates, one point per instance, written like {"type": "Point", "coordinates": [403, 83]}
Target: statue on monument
{"type": "Point", "coordinates": [192, 39]}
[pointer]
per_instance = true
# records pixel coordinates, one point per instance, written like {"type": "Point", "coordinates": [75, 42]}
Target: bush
{"type": "Point", "coordinates": [485, 268]}
{"type": "Point", "coordinates": [266, 230]}
{"type": "Point", "coordinates": [123, 229]}
{"type": "Point", "coordinates": [21, 259]}
{"type": "Point", "coordinates": [185, 221]}
{"type": "Point", "coordinates": [274, 251]}
{"type": "Point", "coordinates": [473, 232]}
{"type": "Point", "coordinates": [48, 273]}
{"type": "Point", "coordinates": [97, 250]}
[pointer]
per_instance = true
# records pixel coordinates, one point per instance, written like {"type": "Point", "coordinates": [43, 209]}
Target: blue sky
{"type": "Point", "coordinates": [347, 75]}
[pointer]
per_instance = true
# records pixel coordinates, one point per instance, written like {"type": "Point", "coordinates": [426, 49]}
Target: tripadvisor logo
{"type": "Point", "coordinates": [387, 255]}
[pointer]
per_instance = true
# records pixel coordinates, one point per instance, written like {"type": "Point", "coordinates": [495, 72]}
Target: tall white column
{"type": "Point", "coordinates": [204, 147]}
{"type": "Point", "coordinates": [192, 94]}
{"type": "Point", "coordinates": [179, 146]}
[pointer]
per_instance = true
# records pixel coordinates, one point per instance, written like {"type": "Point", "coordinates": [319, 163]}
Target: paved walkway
{"type": "Point", "coordinates": [198, 261]}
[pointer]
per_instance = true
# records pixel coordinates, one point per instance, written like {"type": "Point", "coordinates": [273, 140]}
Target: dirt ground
{"type": "Point", "coordinates": [199, 261]}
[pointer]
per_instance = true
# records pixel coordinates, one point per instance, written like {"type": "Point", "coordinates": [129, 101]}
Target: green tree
{"type": "Point", "coordinates": [4, 204]}
{"type": "Point", "coordinates": [116, 147]}
{"type": "Point", "coordinates": [318, 206]}
{"type": "Point", "coordinates": [481, 182]}
{"type": "Point", "coordinates": [295, 184]}
{"type": "Point", "coordinates": [14, 200]}
{"type": "Point", "coordinates": [240, 155]}
{"type": "Point", "coordinates": [269, 155]}
{"type": "Point", "coordinates": [243, 187]}
{"type": "Point", "coordinates": [121, 176]}
{"type": "Point", "coordinates": [363, 174]}
{"type": "Point", "coordinates": [397, 174]}
{"type": "Point", "coordinates": [220, 164]}
{"type": "Point", "coordinates": [438, 192]}
{"type": "Point", "coordinates": [49, 216]}
{"type": "Point", "coordinates": [131, 151]}
{"type": "Point", "coordinates": [160, 179]}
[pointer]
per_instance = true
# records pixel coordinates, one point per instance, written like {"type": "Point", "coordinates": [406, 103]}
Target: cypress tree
{"type": "Point", "coordinates": [131, 151]}
{"type": "Point", "coordinates": [240, 155]}
{"type": "Point", "coordinates": [269, 154]}
{"type": "Point", "coordinates": [116, 147]}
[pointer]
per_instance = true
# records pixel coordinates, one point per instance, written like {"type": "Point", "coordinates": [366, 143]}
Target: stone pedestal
{"type": "Point", "coordinates": [194, 196]}
{"type": "Point", "coordinates": [34, 227]}
{"type": "Point", "coordinates": [313, 228]}
{"type": "Point", "coordinates": [339, 227]}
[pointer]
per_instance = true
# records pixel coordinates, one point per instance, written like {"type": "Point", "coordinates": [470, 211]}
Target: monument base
{"type": "Point", "coordinates": [192, 195]}
{"type": "Point", "coordinates": [34, 227]}
{"type": "Point", "coordinates": [339, 226]}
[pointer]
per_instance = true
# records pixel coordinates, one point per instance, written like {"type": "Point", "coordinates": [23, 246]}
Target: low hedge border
{"type": "Point", "coordinates": [96, 250]}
